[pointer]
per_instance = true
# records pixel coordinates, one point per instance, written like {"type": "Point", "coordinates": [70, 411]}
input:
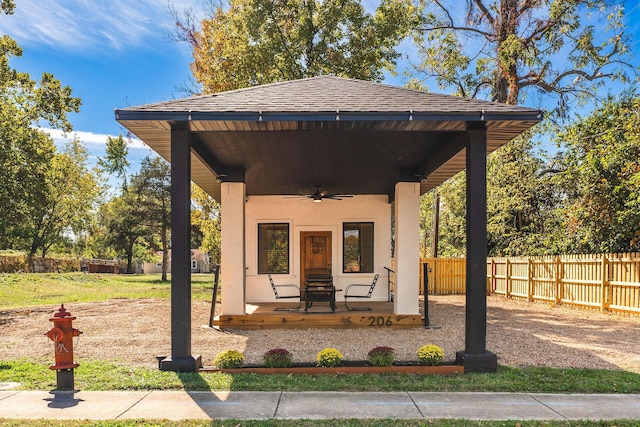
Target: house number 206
{"type": "Point", "coordinates": [380, 321]}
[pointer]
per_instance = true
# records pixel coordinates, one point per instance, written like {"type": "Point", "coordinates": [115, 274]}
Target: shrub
{"type": "Point", "coordinates": [381, 356]}
{"type": "Point", "coordinates": [329, 357]}
{"type": "Point", "coordinates": [229, 359]}
{"type": "Point", "coordinates": [430, 355]}
{"type": "Point", "coordinates": [277, 358]}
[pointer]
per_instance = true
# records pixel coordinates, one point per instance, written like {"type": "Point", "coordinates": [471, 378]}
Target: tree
{"type": "Point", "coordinates": [25, 155]}
{"type": "Point", "coordinates": [505, 51]}
{"type": "Point", "coordinates": [68, 202]}
{"type": "Point", "coordinates": [452, 235]}
{"type": "Point", "coordinates": [251, 42]}
{"type": "Point", "coordinates": [121, 220]}
{"type": "Point", "coordinates": [500, 50]}
{"type": "Point", "coordinates": [115, 161]}
{"type": "Point", "coordinates": [205, 218]}
{"type": "Point", "coordinates": [523, 199]}
{"type": "Point", "coordinates": [602, 178]}
{"type": "Point", "coordinates": [426, 223]}
{"type": "Point", "coordinates": [153, 188]}
{"type": "Point", "coordinates": [26, 152]}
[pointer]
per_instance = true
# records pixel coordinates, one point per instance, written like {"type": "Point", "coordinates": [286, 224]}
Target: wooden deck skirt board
{"type": "Point", "coordinates": [318, 320]}
{"type": "Point", "coordinates": [263, 316]}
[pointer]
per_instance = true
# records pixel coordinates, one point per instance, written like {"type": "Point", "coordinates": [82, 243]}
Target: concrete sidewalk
{"type": "Point", "coordinates": [111, 405]}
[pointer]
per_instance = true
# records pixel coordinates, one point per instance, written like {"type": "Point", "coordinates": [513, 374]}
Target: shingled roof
{"type": "Point", "coordinates": [329, 110]}
{"type": "Point", "coordinates": [333, 94]}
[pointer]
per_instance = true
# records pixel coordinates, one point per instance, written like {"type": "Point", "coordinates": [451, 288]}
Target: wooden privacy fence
{"type": "Point", "coordinates": [446, 275]}
{"type": "Point", "coordinates": [605, 281]}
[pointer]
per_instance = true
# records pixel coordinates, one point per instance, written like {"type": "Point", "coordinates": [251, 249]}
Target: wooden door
{"type": "Point", "coordinates": [315, 254]}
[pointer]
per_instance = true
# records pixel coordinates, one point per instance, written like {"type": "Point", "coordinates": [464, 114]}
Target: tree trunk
{"type": "Point", "coordinates": [34, 246]}
{"type": "Point", "coordinates": [129, 258]}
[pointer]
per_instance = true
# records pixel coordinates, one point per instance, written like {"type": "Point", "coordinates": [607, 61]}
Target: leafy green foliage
{"type": "Point", "coordinates": [120, 227]}
{"type": "Point", "coordinates": [504, 52]}
{"type": "Point", "coordinates": [381, 356]}
{"type": "Point", "coordinates": [152, 185]}
{"type": "Point", "coordinates": [585, 200]}
{"type": "Point", "coordinates": [278, 358]}
{"type": "Point", "coordinates": [28, 171]}
{"type": "Point", "coordinates": [602, 178]}
{"type": "Point", "coordinates": [71, 194]}
{"type": "Point", "coordinates": [205, 223]}
{"type": "Point", "coordinates": [115, 161]}
{"type": "Point", "coordinates": [501, 51]}
{"type": "Point", "coordinates": [523, 201]}
{"type": "Point", "coordinates": [251, 42]}
{"type": "Point", "coordinates": [452, 230]}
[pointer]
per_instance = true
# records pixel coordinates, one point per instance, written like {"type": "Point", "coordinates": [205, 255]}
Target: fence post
{"type": "Point", "coordinates": [432, 272]}
{"type": "Point", "coordinates": [507, 279]}
{"type": "Point", "coordinates": [489, 275]}
{"type": "Point", "coordinates": [494, 280]}
{"type": "Point", "coordinates": [603, 283]}
{"type": "Point", "coordinates": [558, 265]}
{"type": "Point", "coordinates": [529, 279]}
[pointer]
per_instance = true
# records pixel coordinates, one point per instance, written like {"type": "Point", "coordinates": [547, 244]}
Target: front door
{"type": "Point", "coordinates": [315, 254]}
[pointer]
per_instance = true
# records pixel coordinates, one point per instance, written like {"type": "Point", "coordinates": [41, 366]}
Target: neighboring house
{"type": "Point", "coordinates": [199, 263]}
{"type": "Point", "coordinates": [256, 150]}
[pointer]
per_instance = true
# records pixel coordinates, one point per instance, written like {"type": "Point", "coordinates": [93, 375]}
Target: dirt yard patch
{"type": "Point", "coordinates": [520, 333]}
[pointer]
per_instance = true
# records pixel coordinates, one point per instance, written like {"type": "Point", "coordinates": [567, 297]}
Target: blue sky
{"type": "Point", "coordinates": [116, 54]}
{"type": "Point", "coordinates": [112, 54]}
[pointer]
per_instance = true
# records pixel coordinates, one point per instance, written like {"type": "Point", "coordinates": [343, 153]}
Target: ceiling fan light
{"type": "Point", "coordinates": [317, 199]}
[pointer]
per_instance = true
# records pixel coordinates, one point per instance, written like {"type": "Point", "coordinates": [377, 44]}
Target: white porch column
{"type": "Point", "coordinates": [233, 248]}
{"type": "Point", "coordinates": [407, 248]}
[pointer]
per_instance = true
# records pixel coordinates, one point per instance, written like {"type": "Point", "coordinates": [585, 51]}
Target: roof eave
{"type": "Point", "coordinates": [259, 116]}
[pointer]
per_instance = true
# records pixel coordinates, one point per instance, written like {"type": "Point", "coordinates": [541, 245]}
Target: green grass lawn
{"type": "Point", "coordinates": [106, 375]}
{"type": "Point", "coordinates": [32, 289]}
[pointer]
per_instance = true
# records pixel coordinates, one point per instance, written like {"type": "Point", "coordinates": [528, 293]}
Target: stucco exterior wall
{"type": "Point", "coordinates": [305, 215]}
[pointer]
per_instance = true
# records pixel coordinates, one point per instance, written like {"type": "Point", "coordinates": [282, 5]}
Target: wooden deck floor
{"type": "Point", "coordinates": [265, 316]}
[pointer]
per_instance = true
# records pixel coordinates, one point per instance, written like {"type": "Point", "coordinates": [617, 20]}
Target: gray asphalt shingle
{"type": "Point", "coordinates": [330, 94]}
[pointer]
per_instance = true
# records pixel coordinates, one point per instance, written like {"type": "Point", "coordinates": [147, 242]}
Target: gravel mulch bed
{"type": "Point", "coordinates": [520, 333]}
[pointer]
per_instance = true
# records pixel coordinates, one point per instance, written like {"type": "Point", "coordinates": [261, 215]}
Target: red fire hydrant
{"type": "Point", "coordinates": [62, 335]}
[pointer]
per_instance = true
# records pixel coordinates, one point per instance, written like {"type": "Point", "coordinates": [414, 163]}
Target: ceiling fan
{"type": "Point", "coordinates": [318, 195]}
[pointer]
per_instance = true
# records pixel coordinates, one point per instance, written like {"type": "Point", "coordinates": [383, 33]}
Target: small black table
{"type": "Point", "coordinates": [319, 288]}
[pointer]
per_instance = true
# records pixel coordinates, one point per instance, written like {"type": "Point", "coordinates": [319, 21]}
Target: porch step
{"type": "Point", "coordinates": [302, 320]}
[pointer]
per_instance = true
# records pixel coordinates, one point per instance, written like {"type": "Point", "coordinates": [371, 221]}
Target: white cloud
{"type": "Point", "coordinates": [88, 138]}
{"type": "Point", "coordinates": [91, 25]}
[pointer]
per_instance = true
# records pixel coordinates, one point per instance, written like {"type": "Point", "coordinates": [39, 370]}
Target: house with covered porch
{"type": "Point", "coordinates": [324, 175]}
